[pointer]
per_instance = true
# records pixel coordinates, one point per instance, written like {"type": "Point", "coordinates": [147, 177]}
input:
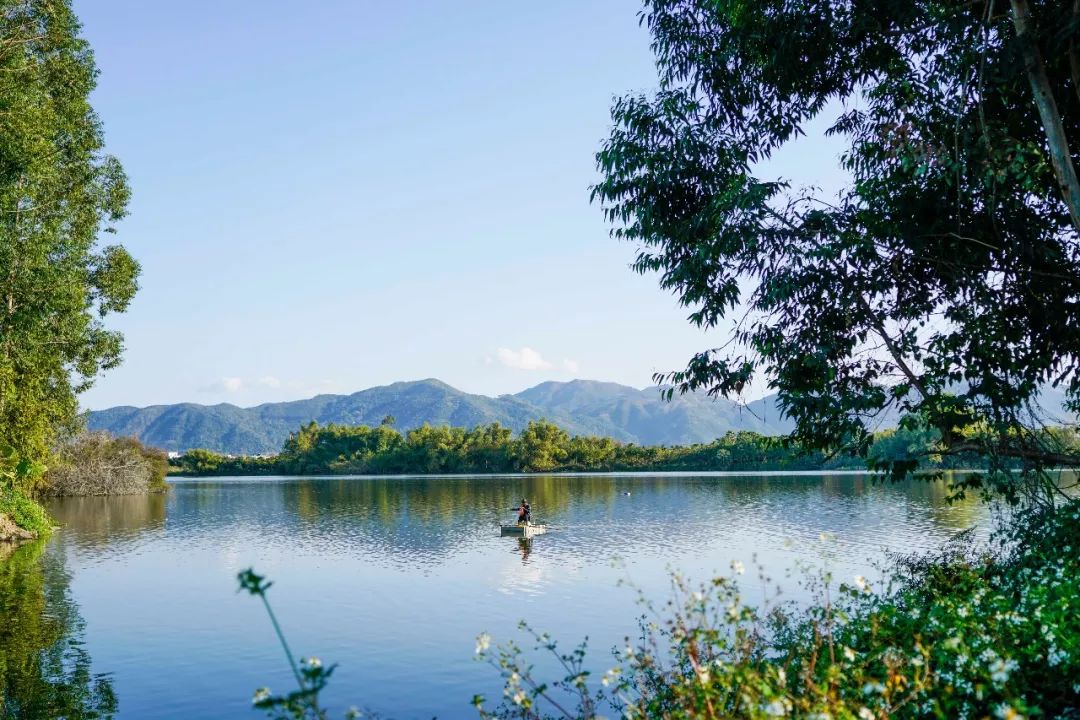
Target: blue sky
{"type": "Point", "coordinates": [334, 195]}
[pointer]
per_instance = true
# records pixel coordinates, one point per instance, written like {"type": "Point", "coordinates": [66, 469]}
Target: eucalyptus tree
{"type": "Point", "coordinates": [941, 283]}
{"type": "Point", "coordinates": [59, 192]}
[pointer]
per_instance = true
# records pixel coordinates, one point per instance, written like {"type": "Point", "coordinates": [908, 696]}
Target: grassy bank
{"type": "Point", "coordinates": [21, 518]}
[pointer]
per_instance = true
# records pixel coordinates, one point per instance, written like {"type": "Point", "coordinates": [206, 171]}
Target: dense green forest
{"type": "Point", "coordinates": [541, 447]}
{"type": "Point", "coordinates": [493, 448]}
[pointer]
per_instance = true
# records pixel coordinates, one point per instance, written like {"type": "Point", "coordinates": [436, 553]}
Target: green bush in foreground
{"type": "Point", "coordinates": [16, 474]}
{"type": "Point", "coordinates": [23, 511]}
{"type": "Point", "coordinates": [963, 633]}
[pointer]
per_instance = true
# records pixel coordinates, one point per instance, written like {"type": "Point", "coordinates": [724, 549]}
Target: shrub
{"type": "Point", "coordinates": [23, 511]}
{"type": "Point", "coordinates": [96, 463]}
{"type": "Point", "coordinates": [16, 476]}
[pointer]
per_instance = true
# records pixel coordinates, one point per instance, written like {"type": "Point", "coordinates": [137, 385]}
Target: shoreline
{"type": "Point", "coordinates": [583, 473]}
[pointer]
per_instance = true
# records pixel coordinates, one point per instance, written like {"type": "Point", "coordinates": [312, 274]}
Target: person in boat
{"type": "Point", "coordinates": [524, 512]}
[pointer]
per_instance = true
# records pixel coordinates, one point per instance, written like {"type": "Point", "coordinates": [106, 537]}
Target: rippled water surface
{"type": "Point", "coordinates": [393, 578]}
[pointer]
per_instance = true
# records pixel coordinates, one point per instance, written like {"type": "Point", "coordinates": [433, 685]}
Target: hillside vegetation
{"type": "Point", "coordinates": [545, 447]}
{"type": "Point", "coordinates": [582, 407]}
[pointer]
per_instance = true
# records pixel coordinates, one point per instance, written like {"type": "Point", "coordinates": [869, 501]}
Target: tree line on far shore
{"type": "Point", "coordinates": [541, 447]}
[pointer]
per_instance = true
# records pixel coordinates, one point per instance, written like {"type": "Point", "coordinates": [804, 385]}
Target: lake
{"type": "Point", "coordinates": [393, 578]}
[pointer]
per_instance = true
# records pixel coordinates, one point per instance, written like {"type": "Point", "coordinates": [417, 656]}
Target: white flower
{"type": "Point", "coordinates": [738, 567]}
{"type": "Point", "coordinates": [519, 697]}
{"type": "Point", "coordinates": [1000, 669]}
{"type": "Point", "coordinates": [483, 642]}
{"type": "Point", "coordinates": [776, 709]}
{"type": "Point", "coordinates": [861, 583]}
{"type": "Point", "coordinates": [849, 653]}
{"type": "Point", "coordinates": [260, 695]}
{"type": "Point", "coordinates": [866, 714]}
{"type": "Point", "coordinates": [313, 662]}
{"type": "Point", "coordinates": [1006, 712]}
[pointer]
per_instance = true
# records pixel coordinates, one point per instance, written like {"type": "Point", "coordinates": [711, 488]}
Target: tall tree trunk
{"type": "Point", "coordinates": [1048, 110]}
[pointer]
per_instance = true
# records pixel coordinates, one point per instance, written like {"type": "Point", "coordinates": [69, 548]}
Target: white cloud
{"type": "Point", "coordinates": [570, 366]}
{"type": "Point", "coordinates": [524, 359]}
{"type": "Point", "coordinates": [263, 384]}
{"type": "Point", "coordinates": [232, 384]}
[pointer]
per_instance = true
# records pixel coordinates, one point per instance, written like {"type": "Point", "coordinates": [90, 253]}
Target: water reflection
{"type": "Point", "coordinates": [425, 521]}
{"type": "Point", "coordinates": [393, 577]}
{"type": "Point", "coordinates": [108, 520]}
{"type": "Point", "coordinates": [44, 668]}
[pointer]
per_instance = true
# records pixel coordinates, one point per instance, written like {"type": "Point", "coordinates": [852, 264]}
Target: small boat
{"type": "Point", "coordinates": [526, 530]}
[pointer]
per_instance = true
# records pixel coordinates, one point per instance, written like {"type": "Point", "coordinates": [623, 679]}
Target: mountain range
{"type": "Point", "coordinates": [582, 407]}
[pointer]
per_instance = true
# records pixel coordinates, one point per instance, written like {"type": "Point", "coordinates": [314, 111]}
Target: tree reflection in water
{"type": "Point", "coordinates": [44, 668]}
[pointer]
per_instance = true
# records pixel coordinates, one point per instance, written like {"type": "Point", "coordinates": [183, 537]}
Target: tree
{"type": "Point", "coordinates": [58, 193]}
{"type": "Point", "coordinates": [541, 447]}
{"type": "Point", "coordinates": [943, 282]}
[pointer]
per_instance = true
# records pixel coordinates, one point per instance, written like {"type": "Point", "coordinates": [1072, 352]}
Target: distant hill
{"type": "Point", "coordinates": [642, 416]}
{"type": "Point", "coordinates": [579, 406]}
{"type": "Point", "coordinates": [582, 407]}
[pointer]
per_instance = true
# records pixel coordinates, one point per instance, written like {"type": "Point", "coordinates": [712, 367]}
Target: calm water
{"type": "Point", "coordinates": [393, 578]}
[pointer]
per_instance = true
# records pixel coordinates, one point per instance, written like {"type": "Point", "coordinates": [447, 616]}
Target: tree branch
{"type": "Point", "coordinates": [1012, 451]}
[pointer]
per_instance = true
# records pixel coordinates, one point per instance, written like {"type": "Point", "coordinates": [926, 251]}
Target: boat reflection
{"type": "Point", "coordinates": [525, 548]}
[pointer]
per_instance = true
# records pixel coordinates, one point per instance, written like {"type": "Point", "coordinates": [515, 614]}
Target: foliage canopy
{"type": "Point", "coordinates": [943, 281]}
{"type": "Point", "coordinates": [58, 192]}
